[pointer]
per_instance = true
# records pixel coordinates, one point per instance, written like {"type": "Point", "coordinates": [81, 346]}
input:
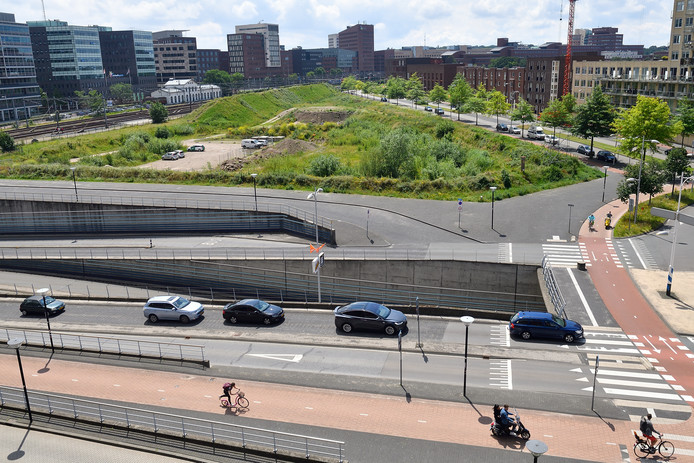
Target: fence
{"type": "Point", "coordinates": [100, 344]}
{"type": "Point", "coordinates": [553, 288]}
{"type": "Point", "coordinates": [214, 433]}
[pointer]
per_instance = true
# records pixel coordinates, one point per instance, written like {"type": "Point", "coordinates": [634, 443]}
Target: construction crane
{"type": "Point", "coordinates": [44, 10]}
{"type": "Point", "coordinates": [567, 64]}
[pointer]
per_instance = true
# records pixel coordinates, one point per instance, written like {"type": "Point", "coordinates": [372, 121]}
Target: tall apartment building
{"type": "Point", "coordinates": [247, 55]}
{"type": "Point", "coordinates": [67, 58]}
{"type": "Point", "coordinates": [128, 57]}
{"type": "Point", "coordinates": [175, 56]}
{"type": "Point", "coordinates": [271, 43]}
{"type": "Point", "coordinates": [207, 59]}
{"type": "Point", "coordinates": [359, 38]}
{"type": "Point", "coordinates": [19, 91]}
{"type": "Point", "coordinates": [333, 41]}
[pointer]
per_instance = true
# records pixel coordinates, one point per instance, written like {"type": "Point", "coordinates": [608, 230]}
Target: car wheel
{"type": "Point", "coordinates": [233, 319]}
{"type": "Point", "coordinates": [569, 338]}
{"type": "Point", "coordinates": [153, 318]}
{"type": "Point", "coordinates": [267, 321]}
{"type": "Point", "coordinates": [346, 327]}
{"type": "Point", "coordinates": [184, 319]}
{"type": "Point", "coordinates": [390, 330]}
{"type": "Point", "coordinates": [24, 312]}
{"type": "Point", "coordinates": [526, 335]}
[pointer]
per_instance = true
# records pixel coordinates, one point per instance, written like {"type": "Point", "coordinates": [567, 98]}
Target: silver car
{"type": "Point", "coordinates": [172, 308]}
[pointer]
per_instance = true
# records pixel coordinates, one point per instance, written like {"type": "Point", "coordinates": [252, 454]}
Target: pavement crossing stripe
{"type": "Point", "coordinates": [628, 374]}
{"type": "Point", "coordinates": [651, 395]}
{"type": "Point", "coordinates": [622, 382]}
{"type": "Point", "coordinates": [607, 341]}
{"type": "Point", "coordinates": [678, 437]}
{"type": "Point", "coordinates": [619, 350]}
{"type": "Point", "coordinates": [658, 406]}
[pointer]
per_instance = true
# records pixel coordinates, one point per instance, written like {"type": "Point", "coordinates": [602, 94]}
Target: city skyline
{"type": "Point", "coordinates": [308, 23]}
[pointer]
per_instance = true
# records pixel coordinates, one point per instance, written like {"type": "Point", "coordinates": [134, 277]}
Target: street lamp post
{"type": "Point", "coordinates": [671, 267]}
{"type": "Point", "coordinates": [570, 208]}
{"type": "Point", "coordinates": [43, 292]}
{"type": "Point", "coordinates": [255, 196]}
{"type": "Point", "coordinates": [493, 188]}
{"type": "Point", "coordinates": [536, 448]}
{"type": "Point", "coordinates": [604, 184]}
{"type": "Point", "coordinates": [15, 343]}
{"type": "Point", "coordinates": [314, 197]}
{"type": "Point", "coordinates": [74, 182]}
{"type": "Point", "coordinates": [467, 321]}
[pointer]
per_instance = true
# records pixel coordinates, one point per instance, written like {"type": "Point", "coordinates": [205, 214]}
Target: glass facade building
{"type": "Point", "coordinates": [19, 91]}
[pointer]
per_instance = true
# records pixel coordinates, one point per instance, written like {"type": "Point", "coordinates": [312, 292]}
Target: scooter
{"type": "Point", "coordinates": [608, 222]}
{"type": "Point", "coordinates": [501, 431]}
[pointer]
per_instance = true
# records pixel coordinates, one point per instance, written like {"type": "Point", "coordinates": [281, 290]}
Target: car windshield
{"type": "Point", "coordinates": [180, 302]}
{"type": "Point", "coordinates": [49, 299]}
{"type": "Point", "coordinates": [559, 321]}
{"type": "Point", "coordinates": [260, 305]}
{"type": "Point", "coordinates": [381, 310]}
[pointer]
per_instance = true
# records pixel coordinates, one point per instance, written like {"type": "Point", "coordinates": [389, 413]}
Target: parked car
{"type": "Point", "coordinates": [584, 149]}
{"type": "Point", "coordinates": [501, 127]}
{"type": "Point", "coordinates": [260, 142]}
{"type": "Point", "coordinates": [196, 148]}
{"type": "Point", "coordinates": [606, 156]}
{"type": "Point", "coordinates": [170, 156]}
{"type": "Point", "coordinates": [369, 316]}
{"type": "Point", "coordinates": [34, 305]}
{"type": "Point", "coordinates": [249, 143]}
{"type": "Point", "coordinates": [551, 139]}
{"type": "Point", "coordinates": [428, 108]}
{"type": "Point", "coordinates": [180, 154]}
{"type": "Point", "coordinates": [252, 311]}
{"type": "Point", "coordinates": [439, 111]}
{"type": "Point", "coordinates": [536, 133]}
{"type": "Point", "coordinates": [384, 99]}
{"type": "Point", "coordinates": [172, 308]}
{"type": "Point", "coordinates": [530, 325]}
{"type": "Point", "coordinates": [514, 130]}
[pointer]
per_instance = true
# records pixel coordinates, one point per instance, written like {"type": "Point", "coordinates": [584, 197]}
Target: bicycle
{"type": "Point", "coordinates": [642, 447]}
{"type": "Point", "coordinates": [240, 402]}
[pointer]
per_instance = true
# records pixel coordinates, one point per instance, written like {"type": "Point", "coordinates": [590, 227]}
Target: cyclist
{"type": "Point", "coordinates": [591, 221]}
{"type": "Point", "coordinates": [228, 389]}
{"type": "Point", "coordinates": [647, 430]}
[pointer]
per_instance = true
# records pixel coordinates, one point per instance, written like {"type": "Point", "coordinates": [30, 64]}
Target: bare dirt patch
{"type": "Point", "coordinates": [319, 115]}
{"type": "Point", "coordinates": [282, 148]}
{"type": "Point", "coordinates": [216, 152]}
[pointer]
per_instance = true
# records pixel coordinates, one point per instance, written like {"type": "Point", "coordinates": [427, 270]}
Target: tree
{"type": "Point", "coordinates": [122, 92]}
{"type": "Point", "coordinates": [459, 93]}
{"type": "Point", "coordinates": [437, 94]}
{"type": "Point", "coordinates": [507, 62]}
{"type": "Point", "coordinates": [653, 177]}
{"type": "Point", "coordinates": [476, 105]}
{"type": "Point", "coordinates": [496, 104]}
{"type": "Point", "coordinates": [348, 83]}
{"type": "Point", "coordinates": [158, 113]}
{"type": "Point", "coordinates": [6, 142]}
{"type": "Point", "coordinates": [395, 88]}
{"type": "Point", "coordinates": [319, 71]}
{"type": "Point", "coordinates": [676, 162]}
{"type": "Point", "coordinates": [594, 118]}
{"type": "Point", "coordinates": [644, 125]}
{"type": "Point", "coordinates": [685, 117]}
{"type": "Point", "coordinates": [569, 102]}
{"type": "Point", "coordinates": [524, 113]}
{"type": "Point", "coordinates": [93, 101]}
{"type": "Point", "coordinates": [310, 75]}
{"type": "Point", "coordinates": [555, 115]}
{"type": "Point", "coordinates": [217, 77]}
{"type": "Point", "coordinates": [236, 79]}
{"type": "Point", "coordinates": [415, 89]}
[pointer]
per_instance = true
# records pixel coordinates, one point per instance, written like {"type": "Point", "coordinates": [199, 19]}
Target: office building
{"type": "Point", "coordinates": [359, 38]}
{"type": "Point", "coordinates": [19, 91]}
{"type": "Point", "coordinates": [128, 57]}
{"type": "Point", "coordinates": [175, 56]}
{"type": "Point", "coordinates": [247, 55]}
{"type": "Point", "coordinates": [271, 41]}
{"type": "Point", "coordinates": [333, 41]}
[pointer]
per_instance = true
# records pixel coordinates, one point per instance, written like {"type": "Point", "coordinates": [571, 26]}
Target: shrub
{"type": "Point", "coordinates": [324, 165]}
{"type": "Point", "coordinates": [506, 178]}
{"type": "Point", "coordinates": [162, 132]}
{"type": "Point", "coordinates": [6, 142]}
{"type": "Point", "coordinates": [444, 128]}
{"type": "Point", "coordinates": [183, 129]}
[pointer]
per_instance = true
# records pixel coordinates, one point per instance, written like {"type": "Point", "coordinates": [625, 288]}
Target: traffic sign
{"type": "Point", "coordinates": [315, 264]}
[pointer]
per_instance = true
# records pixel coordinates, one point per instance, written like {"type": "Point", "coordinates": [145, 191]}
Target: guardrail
{"type": "Point", "coordinates": [120, 346]}
{"type": "Point", "coordinates": [555, 294]}
{"type": "Point", "coordinates": [213, 433]}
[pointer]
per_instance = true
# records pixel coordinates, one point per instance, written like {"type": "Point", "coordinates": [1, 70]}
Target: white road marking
{"type": "Point", "coordinates": [510, 253]}
{"type": "Point", "coordinates": [643, 264]}
{"type": "Point", "coordinates": [622, 382]}
{"type": "Point", "coordinates": [652, 395]}
{"type": "Point", "coordinates": [627, 374]}
{"type": "Point", "coordinates": [294, 358]}
{"type": "Point", "coordinates": [583, 299]}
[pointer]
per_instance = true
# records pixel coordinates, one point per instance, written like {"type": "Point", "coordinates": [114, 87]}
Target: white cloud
{"type": "Point", "coordinates": [245, 10]}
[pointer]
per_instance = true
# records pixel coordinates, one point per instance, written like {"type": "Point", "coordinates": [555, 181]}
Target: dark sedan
{"type": "Point", "coordinates": [34, 305]}
{"type": "Point", "coordinates": [606, 156]}
{"type": "Point", "coordinates": [584, 149]}
{"type": "Point", "coordinates": [369, 316]}
{"type": "Point", "coordinates": [530, 325]}
{"type": "Point", "coordinates": [252, 311]}
{"type": "Point", "coordinates": [501, 127]}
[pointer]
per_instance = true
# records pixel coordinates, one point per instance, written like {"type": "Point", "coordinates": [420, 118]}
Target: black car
{"type": "Point", "coordinates": [369, 316]}
{"type": "Point", "coordinates": [384, 99]}
{"type": "Point", "coordinates": [439, 111]}
{"type": "Point", "coordinates": [583, 149]}
{"type": "Point", "coordinates": [252, 311]}
{"type": "Point", "coordinates": [530, 325]}
{"type": "Point", "coordinates": [34, 305]}
{"type": "Point", "coordinates": [604, 155]}
{"type": "Point", "coordinates": [501, 128]}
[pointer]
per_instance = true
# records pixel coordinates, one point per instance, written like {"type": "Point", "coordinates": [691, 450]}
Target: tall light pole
{"type": "Point", "coordinates": [15, 343]}
{"type": "Point", "coordinates": [604, 184]}
{"type": "Point", "coordinates": [314, 197]}
{"type": "Point", "coordinates": [43, 292]}
{"type": "Point", "coordinates": [467, 321]}
{"type": "Point", "coordinates": [74, 182]}
{"type": "Point", "coordinates": [254, 193]}
{"type": "Point", "coordinates": [671, 267]}
{"type": "Point", "coordinates": [493, 188]}
{"type": "Point", "coordinates": [570, 209]}
{"type": "Point", "coordinates": [641, 161]}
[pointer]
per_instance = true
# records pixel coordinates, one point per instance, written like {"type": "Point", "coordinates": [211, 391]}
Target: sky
{"type": "Point", "coordinates": [397, 23]}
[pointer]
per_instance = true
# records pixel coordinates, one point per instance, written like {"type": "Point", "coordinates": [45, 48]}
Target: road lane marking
{"type": "Point", "coordinates": [643, 264]}
{"type": "Point", "coordinates": [653, 395]}
{"type": "Point", "coordinates": [628, 374]}
{"type": "Point", "coordinates": [583, 298]}
{"type": "Point", "coordinates": [622, 382]}
{"type": "Point", "coordinates": [294, 358]}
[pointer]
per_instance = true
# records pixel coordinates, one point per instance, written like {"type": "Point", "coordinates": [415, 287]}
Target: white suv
{"type": "Point", "coordinates": [536, 133]}
{"type": "Point", "coordinates": [172, 308]}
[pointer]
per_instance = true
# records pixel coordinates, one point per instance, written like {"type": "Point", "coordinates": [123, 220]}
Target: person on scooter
{"type": "Point", "coordinates": [647, 430]}
{"type": "Point", "coordinates": [507, 423]}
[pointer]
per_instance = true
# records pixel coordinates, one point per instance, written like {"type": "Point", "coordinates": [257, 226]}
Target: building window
{"type": "Point", "coordinates": [675, 55]}
{"type": "Point", "coordinates": [678, 22]}
{"type": "Point", "coordinates": [688, 38]}
{"type": "Point", "coordinates": [675, 39]}
{"type": "Point", "coordinates": [679, 6]}
{"type": "Point", "coordinates": [688, 21]}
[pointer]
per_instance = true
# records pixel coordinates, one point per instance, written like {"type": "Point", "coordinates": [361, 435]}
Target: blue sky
{"type": "Point", "coordinates": [307, 23]}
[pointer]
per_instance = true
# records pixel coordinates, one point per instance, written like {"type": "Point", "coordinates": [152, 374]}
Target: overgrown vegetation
{"type": "Point", "coordinates": [645, 222]}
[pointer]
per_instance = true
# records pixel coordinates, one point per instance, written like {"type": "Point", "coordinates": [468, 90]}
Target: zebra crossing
{"type": "Point", "coordinates": [500, 336]}
{"type": "Point", "coordinates": [565, 254]}
{"type": "Point", "coordinates": [608, 340]}
{"type": "Point", "coordinates": [500, 374]}
{"type": "Point", "coordinates": [635, 254]}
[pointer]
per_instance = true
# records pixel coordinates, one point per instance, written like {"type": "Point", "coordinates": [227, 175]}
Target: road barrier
{"type": "Point", "coordinates": [555, 294]}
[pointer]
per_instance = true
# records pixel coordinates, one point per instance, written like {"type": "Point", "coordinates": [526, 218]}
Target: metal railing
{"type": "Point", "coordinates": [101, 344]}
{"type": "Point", "coordinates": [213, 433]}
{"type": "Point", "coordinates": [555, 294]}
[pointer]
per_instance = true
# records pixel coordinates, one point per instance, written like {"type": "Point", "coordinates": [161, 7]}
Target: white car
{"type": "Point", "coordinates": [172, 308]}
{"type": "Point", "coordinates": [551, 139]}
{"type": "Point", "coordinates": [170, 156]}
{"type": "Point", "coordinates": [513, 129]}
{"type": "Point", "coordinates": [180, 154]}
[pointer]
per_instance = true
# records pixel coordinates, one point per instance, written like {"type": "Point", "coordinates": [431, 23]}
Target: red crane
{"type": "Point", "coordinates": [567, 63]}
